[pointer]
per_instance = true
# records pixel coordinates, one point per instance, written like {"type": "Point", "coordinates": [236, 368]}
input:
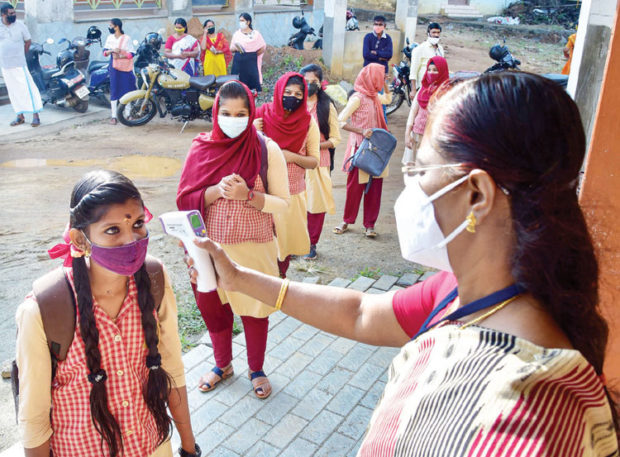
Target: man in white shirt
{"type": "Point", "coordinates": [14, 44]}
{"type": "Point", "coordinates": [422, 53]}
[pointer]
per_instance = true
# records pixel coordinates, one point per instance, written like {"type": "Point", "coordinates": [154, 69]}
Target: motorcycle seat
{"type": "Point", "coordinates": [96, 65]}
{"type": "Point", "coordinates": [560, 80]}
{"type": "Point", "coordinates": [220, 80]}
{"type": "Point", "coordinates": [202, 82]}
{"type": "Point", "coordinates": [48, 72]}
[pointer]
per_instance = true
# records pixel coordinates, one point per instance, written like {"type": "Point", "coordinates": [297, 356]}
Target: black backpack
{"type": "Point", "coordinates": [58, 312]}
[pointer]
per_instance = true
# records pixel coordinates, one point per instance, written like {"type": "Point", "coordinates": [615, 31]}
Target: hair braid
{"type": "Point", "coordinates": [158, 385]}
{"type": "Point", "coordinates": [102, 418]}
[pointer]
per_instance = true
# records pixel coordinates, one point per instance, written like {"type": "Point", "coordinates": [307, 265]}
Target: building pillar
{"type": "Point", "coordinates": [245, 6]}
{"type": "Point", "coordinates": [334, 35]}
{"type": "Point", "coordinates": [599, 198]}
{"type": "Point", "coordinates": [596, 20]}
{"type": "Point", "coordinates": [318, 14]}
{"type": "Point", "coordinates": [406, 19]}
{"type": "Point", "coordinates": [179, 8]}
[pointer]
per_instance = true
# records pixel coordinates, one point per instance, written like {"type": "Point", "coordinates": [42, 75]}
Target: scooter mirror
{"type": "Point", "coordinates": [407, 40]}
{"type": "Point", "coordinates": [136, 42]}
{"type": "Point", "coordinates": [50, 41]}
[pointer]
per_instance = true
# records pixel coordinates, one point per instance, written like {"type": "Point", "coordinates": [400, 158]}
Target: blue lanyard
{"type": "Point", "coordinates": [471, 308]}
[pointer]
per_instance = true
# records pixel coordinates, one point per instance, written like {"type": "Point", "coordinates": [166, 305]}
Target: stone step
{"type": "Point", "coordinates": [467, 11]}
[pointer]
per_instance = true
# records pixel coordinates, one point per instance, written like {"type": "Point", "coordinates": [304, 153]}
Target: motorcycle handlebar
{"type": "Point", "coordinates": [46, 52]}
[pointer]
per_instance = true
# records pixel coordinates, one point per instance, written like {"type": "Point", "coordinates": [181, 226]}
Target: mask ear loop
{"type": "Point", "coordinates": [448, 188]}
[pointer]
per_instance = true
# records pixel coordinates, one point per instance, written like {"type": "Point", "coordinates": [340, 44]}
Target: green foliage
{"type": "Point", "coordinates": [369, 272]}
{"type": "Point", "coordinates": [191, 325]}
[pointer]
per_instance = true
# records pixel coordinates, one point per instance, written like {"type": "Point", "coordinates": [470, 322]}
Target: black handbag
{"type": "Point", "coordinates": [373, 155]}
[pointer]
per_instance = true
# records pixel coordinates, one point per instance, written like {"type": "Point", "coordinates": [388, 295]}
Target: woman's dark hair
{"type": "Point", "coordinates": [90, 199]}
{"type": "Point", "coordinates": [118, 23]}
{"type": "Point", "coordinates": [296, 81]}
{"type": "Point", "coordinates": [535, 152]}
{"type": "Point", "coordinates": [204, 24]}
{"type": "Point", "coordinates": [181, 21]}
{"type": "Point", "coordinates": [233, 89]}
{"type": "Point", "coordinates": [248, 18]}
{"type": "Point", "coordinates": [323, 100]}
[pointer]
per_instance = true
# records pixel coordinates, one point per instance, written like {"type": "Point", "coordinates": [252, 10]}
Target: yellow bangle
{"type": "Point", "coordinates": [282, 294]}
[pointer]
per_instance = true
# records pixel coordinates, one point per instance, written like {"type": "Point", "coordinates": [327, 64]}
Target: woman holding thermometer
{"type": "Point", "coordinates": [237, 179]}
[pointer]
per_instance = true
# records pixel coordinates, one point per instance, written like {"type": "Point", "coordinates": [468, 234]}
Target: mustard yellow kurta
{"type": "Point", "coordinates": [261, 256]}
{"type": "Point", "coordinates": [352, 106]}
{"type": "Point", "coordinates": [319, 196]}
{"type": "Point", "coordinates": [292, 226]}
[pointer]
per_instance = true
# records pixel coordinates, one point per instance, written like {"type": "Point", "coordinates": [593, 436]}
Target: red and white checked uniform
{"type": "Point", "coordinates": [237, 221]}
{"type": "Point", "coordinates": [297, 174]}
{"type": "Point", "coordinates": [123, 357]}
{"type": "Point", "coordinates": [365, 117]}
{"type": "Point", "coordinates": [324, 161]}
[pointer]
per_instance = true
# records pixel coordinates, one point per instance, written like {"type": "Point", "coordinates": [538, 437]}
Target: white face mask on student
{"type": "Point", "coordinates": [433, 40]}
{"type": "Point", "coordinates": [232, 126]}
{"type": "Point", "coordinates": [421, 239]}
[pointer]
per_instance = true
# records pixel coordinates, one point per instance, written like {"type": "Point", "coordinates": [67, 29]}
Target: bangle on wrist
{"type": "Point", "coordinates": [282, 294]}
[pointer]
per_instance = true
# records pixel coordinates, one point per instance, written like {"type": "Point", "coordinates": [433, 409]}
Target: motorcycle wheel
{"type": "Point", "coordinates": [81, 106]}
{"type": "Point", "coordinates": [130, 115]}
{"type": "Point", "coordinates": [397, 100]}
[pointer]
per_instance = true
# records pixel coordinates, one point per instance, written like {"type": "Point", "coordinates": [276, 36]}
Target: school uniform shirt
{"type": "Point", "coordinates": [123, 355]}
{"type": "Point", "coordinates": [259, 253]}
{"type": "Point", "coordinates": [319, 195]}
{"type": "Point", "coordinates": [366, 112]}
{"type": "Point", "coordinates": [419, 57]}
{"type": "Point", "coordinates": [292, 226]}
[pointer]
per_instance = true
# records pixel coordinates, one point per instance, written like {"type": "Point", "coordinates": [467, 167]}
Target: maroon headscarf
{"type": "Point", "coordinates": [290, 132]}
{"type": "Point", "coordinates": [213, 155]}
{"type": "Point", "coordinates": [431, 82]}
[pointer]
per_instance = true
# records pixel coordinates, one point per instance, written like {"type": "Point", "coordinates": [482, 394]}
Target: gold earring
{"type": "Point", "coordinates": [471, 227]}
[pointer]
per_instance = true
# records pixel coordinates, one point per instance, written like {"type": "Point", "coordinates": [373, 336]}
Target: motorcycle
{"type": "Point", "coordinates": [166, 90]}
{"type": "Point", "coordinates": [296, 40]}
{"type": "Point", "coordinates": [352, 23]}
{"type": "Point", "coordinates": [61, 85]}
{"type": "Point", "coordinates": [401, 84]}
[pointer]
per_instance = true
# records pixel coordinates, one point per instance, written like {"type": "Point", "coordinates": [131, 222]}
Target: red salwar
{"type": "Point", "coordinates": [219, 320]}
{"type": "Point", "coordinates": [372, 199]}
{"type": "Point", "coordinates": [315, 226]}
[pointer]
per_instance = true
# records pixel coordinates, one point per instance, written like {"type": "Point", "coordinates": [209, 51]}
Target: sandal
{"type": "Point", "coordinates": [226, 373]}
{"type": "Point", "coordinates": [340, 229]}
{"type": "Point", "coordinates": [35, 122]}
{"type": "Point", "coordinates": [370, 232]}
{"type": "Point", "coordinates": [18, 121]}
{"type": "Point", "coordinates": [113, 121]}
{"type": "Point", "coordinates": [260, 384]}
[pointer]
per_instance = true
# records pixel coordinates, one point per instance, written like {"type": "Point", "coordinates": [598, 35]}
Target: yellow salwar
{"type": "Point", "coordinates": [214, 64]}
{"type": "Point", "coordinates": [260, 256]}
{"type": "Point", "coordinates": [292, 226]}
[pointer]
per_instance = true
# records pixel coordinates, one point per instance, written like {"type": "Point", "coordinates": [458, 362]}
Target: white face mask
{"type": "Point", "coordinates": [243, 25]}
{"type": "Point", "coordinates": [421, 239]}
{"type": "Point", "coordinates": [433, 40]}
{"type": "Point", "coordinates": [232, 126]}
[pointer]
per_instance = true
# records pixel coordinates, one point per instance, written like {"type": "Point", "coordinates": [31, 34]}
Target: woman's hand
{"type": "Point", "coordinates": [367, 133]}
{"type": "Point", "coordinates": [234, 187]}
{"type": "Point", "coordinates": [226, 270]}
{"type": "Point", "coordinates": [289, 156]}
{"type": "Point", "coordinates": [258, 124]}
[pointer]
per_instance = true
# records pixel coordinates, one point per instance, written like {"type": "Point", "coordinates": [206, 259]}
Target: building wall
{"type": "Point", "coordinates": [486, 7]}
{"type": "Point", "coordinates": [353, 46]}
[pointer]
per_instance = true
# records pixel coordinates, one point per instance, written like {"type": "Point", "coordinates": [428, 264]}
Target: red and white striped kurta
{"type": "Point", "coordinates": [480, 392]}
{"type": "Point", "coordinates": [237, 221]}
{"type": "Point", "coordinates": [123, 357]}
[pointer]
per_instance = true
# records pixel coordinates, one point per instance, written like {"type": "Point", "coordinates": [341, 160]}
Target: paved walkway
{"type": "Point", "coordinates": [324, 390]}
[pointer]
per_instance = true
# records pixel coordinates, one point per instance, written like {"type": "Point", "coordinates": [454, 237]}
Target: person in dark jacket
{"type": "Point", "coordinates": [378, 44]}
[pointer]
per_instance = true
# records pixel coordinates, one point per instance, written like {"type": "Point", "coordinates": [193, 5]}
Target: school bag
{"type": "Point", "coordinates": [58, 312]}
{"type": "Point", "coordinates": [373, 155]}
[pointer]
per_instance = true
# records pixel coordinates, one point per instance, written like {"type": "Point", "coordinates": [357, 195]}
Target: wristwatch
{"type": "Point", "coordinates": [184, 453]}
{"type": "Point", "coordinates": [250, 195]}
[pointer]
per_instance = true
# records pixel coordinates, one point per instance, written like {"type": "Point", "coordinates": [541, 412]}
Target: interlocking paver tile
{"type": "Point", "coordinates": [355, 357]}
{"type": "Point", "coordinates": [339, 282]}
{"type": "Point", "coordinates": [247, 436]}
{"type": "Point", "coordinates": [366, 375]}
{"type": "Point", "coordinates": [344, 401]}
{"type": "Point", "coordinates": [305, 332]}
{"type": "Point", "coordinates": [207, 414]}
{"type": "Point", "coordinates": [321, 427]}
{"type": "Point", "coordinates": [334, 381]}
{"type": "Point", "coordinates": [336, 446]}
{"type": "Point", "coordinates": [385, 282]}
{"type": "Point", "coordinates": [212, 436]}
{"type": "Point", "coordinates": [300, 386]}
{"type": "Point", "coordinates": [296, 363]}
{"type": "Point", "coordinates": [240, 411]}
{"type": "Point", "coordinates": [276, 407]}
{"type": "Point", "coordinates": [372, 396]}
{"type": "Point", "coordinates": [312, 404]}
{"type": "Point", "coordinates": [299, 448]}
{"type": "Point", "coordinates": [315, 345]}
{"type": "Point", "coordinates": [355, 423]}
{"type": "Point", "coordinates": [286, 348]}
{"type": "Point", "coordinates": [286, 431]}
{"type": "Point", "coordinates": [362, 283]}
{"type": "Point", "coordinates": [325, 361]}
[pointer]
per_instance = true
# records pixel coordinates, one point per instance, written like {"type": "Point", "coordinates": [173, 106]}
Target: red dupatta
{"type": "Point", "coordinates": [369, 82]}
{"type": "Point", "coordinates": [220, 43]}
{"type": "Point", "coordinates": [289, 132]}
{"type": "Point", "coordinates": [431, 82]}
{"type": "Point", "coordinates": [213, 156]}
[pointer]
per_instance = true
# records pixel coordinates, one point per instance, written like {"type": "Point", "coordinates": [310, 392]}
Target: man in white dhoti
{"type": "Point", "coordinates": [14, 44]}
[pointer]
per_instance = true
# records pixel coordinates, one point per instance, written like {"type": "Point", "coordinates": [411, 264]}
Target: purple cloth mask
{"type": "Point", "coordinates": [123, 260]}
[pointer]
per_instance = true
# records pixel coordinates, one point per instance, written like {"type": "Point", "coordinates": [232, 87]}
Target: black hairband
{"type": "Point", "coordinates": [153, 362]}
{"type": "Point", "coordinates": [98, 376]}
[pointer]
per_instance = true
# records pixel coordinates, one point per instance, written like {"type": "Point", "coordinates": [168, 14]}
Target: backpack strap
{"type": "Point", "coordinates": [158, 281]}
{"type": "Point", "coordinates": [58, 310]}
{"type": "Point", "coordinates": [264, 161]}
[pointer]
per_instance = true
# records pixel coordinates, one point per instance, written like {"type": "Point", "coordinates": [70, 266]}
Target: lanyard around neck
{"type": "Point", "coordinates": [470, 308]}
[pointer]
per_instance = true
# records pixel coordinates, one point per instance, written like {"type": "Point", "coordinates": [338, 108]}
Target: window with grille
{"type": "Point", "coordinates": [89, 5]}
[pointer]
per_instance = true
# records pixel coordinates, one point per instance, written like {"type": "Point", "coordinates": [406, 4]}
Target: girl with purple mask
{"type": "Point", "coordinates": [110, 387]}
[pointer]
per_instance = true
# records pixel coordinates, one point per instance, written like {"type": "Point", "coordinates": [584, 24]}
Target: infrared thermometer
{"type": "Point", "coordinates": [187, 225]}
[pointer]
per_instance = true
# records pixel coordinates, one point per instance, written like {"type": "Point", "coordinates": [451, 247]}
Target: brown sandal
{"type": "Point", "coordinates": [226, 373]}
{"type": "Point", "coordinates": [19, 120]}
{"type": "Point", "coordinates": [260, 384]}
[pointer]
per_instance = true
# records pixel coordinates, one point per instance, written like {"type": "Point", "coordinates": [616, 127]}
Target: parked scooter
{"type": "Point", "coordinates": [401, 84]}
{"type": "Point", "coordinates": [297, 40]}
{"type": "Point", "coordinates": [318, 44]}
{"type": "Point", "coordinates": [63, 85]}
{"type": "Point", "coordinates": [171, 91]}
{"type": "Point", "coordinates": [352, 23]}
